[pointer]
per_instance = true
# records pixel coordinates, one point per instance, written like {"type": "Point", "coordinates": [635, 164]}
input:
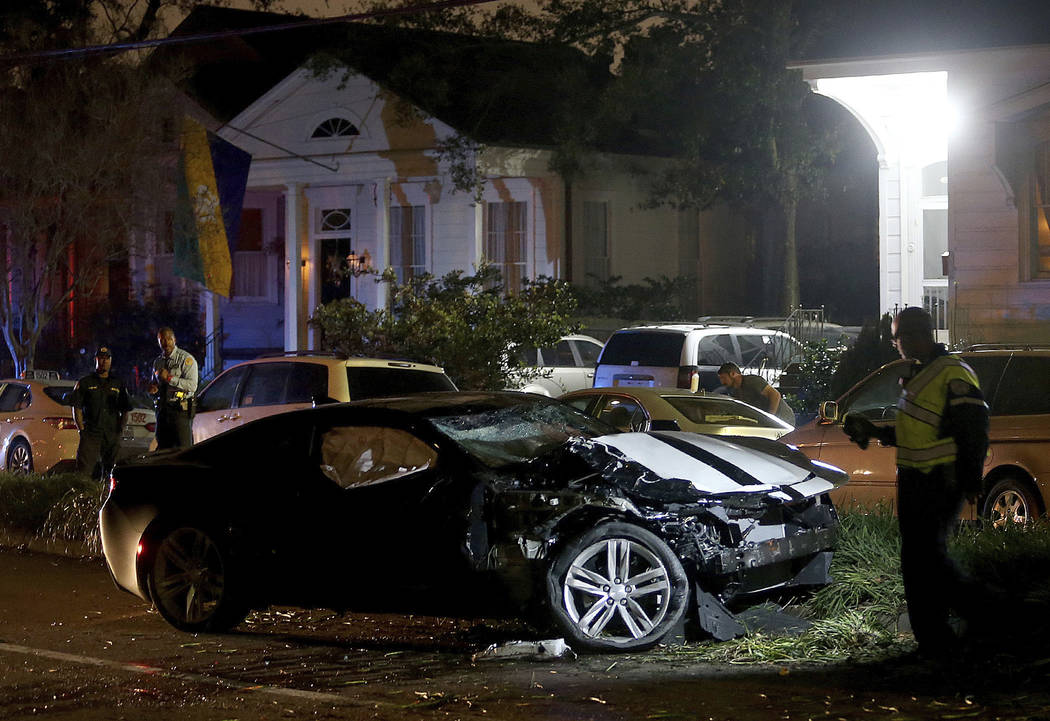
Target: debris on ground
{"type": "Point", "coordinates": [527, 650]}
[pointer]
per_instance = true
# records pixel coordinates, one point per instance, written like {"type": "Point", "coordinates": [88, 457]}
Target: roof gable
{"type": "Point", "coordinates": [496, 92]}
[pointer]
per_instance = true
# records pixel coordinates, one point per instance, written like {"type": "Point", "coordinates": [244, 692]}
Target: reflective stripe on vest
{"type": "Point", "coordinates": [920, 414]}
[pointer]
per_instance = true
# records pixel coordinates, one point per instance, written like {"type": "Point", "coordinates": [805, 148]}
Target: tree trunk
{"type": "Point", "coordinates": [790, 291]}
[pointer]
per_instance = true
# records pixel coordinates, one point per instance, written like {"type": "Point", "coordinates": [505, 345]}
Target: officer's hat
{"type": "Point", "coordinates": [103, 352]}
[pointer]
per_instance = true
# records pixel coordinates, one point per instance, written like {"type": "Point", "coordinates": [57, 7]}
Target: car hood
{"type": "Point", "coordinates": [689, 467]}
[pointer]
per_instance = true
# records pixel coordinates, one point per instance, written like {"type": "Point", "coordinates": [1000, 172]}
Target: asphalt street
{"type": "Point", "coordinates": [72, 646]}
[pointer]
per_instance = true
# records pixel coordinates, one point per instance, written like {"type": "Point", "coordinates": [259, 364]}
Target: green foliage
{"type": "Point", "coordinates": [810, 378]}
{"type": "Point", "coordinates": [1013, 559]}
{"type": "Point", "coordinates": [865, 568]}
{"type": "Point", "coordinates": [27, 501]}
{"type": "Point", "coordinates": [872, 349]}
{"type": "Point", "coordinates": [466, 324]}
{"type": "Point", "coordinates": [660, 299]}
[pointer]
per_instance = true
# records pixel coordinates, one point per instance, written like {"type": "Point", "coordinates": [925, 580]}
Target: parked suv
{"type": "Point", "coordinates": [1016, 385]}
{"type": "Point", "coordinates": [680, 355]}
{"type": "Point", "coordinates": [270, 385]}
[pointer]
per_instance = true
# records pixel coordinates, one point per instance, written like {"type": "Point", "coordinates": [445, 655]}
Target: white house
{"type": "Point", "coordinates": [346, 166]}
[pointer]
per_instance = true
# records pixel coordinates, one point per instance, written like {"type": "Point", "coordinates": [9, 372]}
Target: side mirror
{"type": "Point", "coordinates": [829, 411]}
{"type": "Point", "coordinates": [666, 424]}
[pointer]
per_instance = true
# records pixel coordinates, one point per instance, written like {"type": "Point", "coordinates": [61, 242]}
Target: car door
{"type": "Point", "coordinates": [401, 517]}
{"type": "Point", "coordinates": [216, 404]}
{"type": "Point", "coordinates": [567, 370]}
{"type": "Point", "coordinates": [872, 471]}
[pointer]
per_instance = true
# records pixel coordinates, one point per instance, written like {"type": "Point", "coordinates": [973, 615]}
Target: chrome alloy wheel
{"type": "Point", "coordinates": [616, 590]}
{"type": "Point", "coordinates": [1009, 506]}
{"type": "Point", "coordinates": [20, 457]}
{"type": "Point", "coordinates": [188, 576]}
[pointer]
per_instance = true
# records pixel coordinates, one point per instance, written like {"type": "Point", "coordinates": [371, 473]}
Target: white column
{"type": "Point", "coordinates": [313, 289]}
{"type": "Point", "coordinates": [382, 259]}
{"type": "Point", "coordinates": [212, 321]}
{"type": "Point", "coordinates": [293, 273]}
{"type": "Point", "coordinates": [479, 231]}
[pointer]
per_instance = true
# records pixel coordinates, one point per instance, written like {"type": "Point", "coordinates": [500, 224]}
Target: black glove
{"type": "Point", "coordinates": [859, 429]}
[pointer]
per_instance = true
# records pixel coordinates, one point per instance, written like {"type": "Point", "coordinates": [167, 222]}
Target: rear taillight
{"type": "Point", "coordinates": [689, 377]}
{"type": "Point", "coordinates": [151, 427]}
{"type": "Point", "coordinates": [62, 424]}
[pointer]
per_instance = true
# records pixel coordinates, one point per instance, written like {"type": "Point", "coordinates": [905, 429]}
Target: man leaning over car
{"type": "Point", "coordinates": [941, 437]}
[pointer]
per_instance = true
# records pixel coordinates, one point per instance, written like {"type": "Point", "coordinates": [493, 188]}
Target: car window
{"type": "Point", "coordinates": [306, 382]}
{"type": "Point", "coordinates": [265, 384]}
{"type": "Point", "coordinates": [650, 348]}
{"type": "Point", "coordinates": [560, 356]}
{"type": "Point", "coordinates": [589, 352]}
{"type": "Point", "coordinates": [754, 351]}
{"type": "Point", "coordinates": [385, 381]}
{"type": "Point", "coordinates": [528, 356]}
{"type": "Point", "coordinates": [15, 396]}
{"type": "Point", "coordinates": [714, 350]}
{"type": "Point", "coordinates": [355, 456]}
{"type": "Point", "coordinates": [61, 395]}
{"type": "Point", "coordinates": [221, 392]}
{"type": "Point", "coordinates": [499, 436]}
{"type": "Point", "coordinates": [580, 403]}
{"type": "Point", "coordinates": [715, 412]}
{"type": "Point", "coordinates": [989, 369]}
{"type": "Point", "coordinates": [622, 413]}
{"type": "Point", "coordinates": [877, 397]}
{"type": "Point", "coordinates": [1028, 389]}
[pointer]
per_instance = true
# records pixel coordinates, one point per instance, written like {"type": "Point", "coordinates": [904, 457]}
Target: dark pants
{"type": "Point", "coordinates": [173, 426]}
{"type": "Point", "coordinates": [928, 506]}
{"type": "Point", "coordinates": [96, 453]}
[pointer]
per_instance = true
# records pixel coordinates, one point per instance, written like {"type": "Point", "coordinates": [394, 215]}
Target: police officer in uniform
{"type": "Point", "coordinates": [100, 408]}
{"type": "Point", "coordinates": [173, 385]}
{"type": "Point", "coordinates": [941, 436]}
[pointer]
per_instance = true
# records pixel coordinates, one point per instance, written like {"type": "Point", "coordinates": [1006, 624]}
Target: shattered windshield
{"type": "Point", "coordinates": [513, 434]}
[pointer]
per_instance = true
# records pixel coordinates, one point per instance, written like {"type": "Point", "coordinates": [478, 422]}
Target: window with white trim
{"type": "Point", "coordinates": [505, 245]}
{"type": "Point", "coordinates": [408, 249]}
{"type": "Point", "coordinates": [595, 241]}
{"type": "Point", "coordinates": [335, 128]}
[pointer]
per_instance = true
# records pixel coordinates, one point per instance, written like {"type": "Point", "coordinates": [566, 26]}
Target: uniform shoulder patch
{"type": "Point", "coordinates": [189, 360]}
{"type": "Point", "coordinates": [958, 387]}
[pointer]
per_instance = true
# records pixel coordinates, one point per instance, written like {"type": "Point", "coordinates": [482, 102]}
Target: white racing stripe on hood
{"type": "Point", "coordinates": [667, 461]}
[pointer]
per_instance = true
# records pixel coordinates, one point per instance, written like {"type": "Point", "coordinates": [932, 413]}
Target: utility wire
{"type": "Point", "coordinates": [110, 48]}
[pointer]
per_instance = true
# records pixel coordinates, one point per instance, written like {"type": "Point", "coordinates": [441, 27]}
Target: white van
{"type": "Point", "coordinates": [682, 355]}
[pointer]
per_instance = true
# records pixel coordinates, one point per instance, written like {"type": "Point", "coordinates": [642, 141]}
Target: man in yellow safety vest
{"type": "Point", "coordinates": [941, 437]}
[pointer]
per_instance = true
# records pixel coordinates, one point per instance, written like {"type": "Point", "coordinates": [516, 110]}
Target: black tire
{"type": "Point", "coordinates": [20, 456]}
{"type": "Point", "coordinates": [193, 582]}
{"type": "Point", "coordinates": [603, 614]}
{"type": "Point", "coordinates": [1010, 501]}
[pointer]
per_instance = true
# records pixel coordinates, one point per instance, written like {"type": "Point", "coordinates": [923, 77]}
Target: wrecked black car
{"type": "Point", "coordinates": [469, 503]}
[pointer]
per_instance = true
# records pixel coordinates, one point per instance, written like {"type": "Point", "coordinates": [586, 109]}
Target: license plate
{"type": "Point", "coordinates": [635, 382]}
{"type": "Point", "coordinates": [138, 417]}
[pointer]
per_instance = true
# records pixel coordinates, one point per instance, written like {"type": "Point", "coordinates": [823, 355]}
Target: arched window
{"type": "Point", "coordinates": [335, 128]}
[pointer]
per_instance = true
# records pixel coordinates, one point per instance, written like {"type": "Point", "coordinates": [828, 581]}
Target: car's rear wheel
{"type": "Point", "coordinates": [20, 457]}
{"type": "Point", "coordinates": [617, 587]}
{"type": "Point", "coordinates": [1010, 501]}
{"type": "Point", "coordinates": [191, 585]}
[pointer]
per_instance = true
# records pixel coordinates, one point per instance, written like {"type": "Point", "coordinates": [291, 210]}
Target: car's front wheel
{"type": "Point", "coordinates": [190, 582]}
{"type": "Point", "coordinates": [1010, 502]}
{"type": "Point", "coordinates": [616, 587]}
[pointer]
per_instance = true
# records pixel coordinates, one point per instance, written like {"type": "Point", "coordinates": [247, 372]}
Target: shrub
{"type": "Point", "coordinates": [466, 324]}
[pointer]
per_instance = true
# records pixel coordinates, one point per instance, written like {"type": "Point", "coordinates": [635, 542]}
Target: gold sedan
{"type": "Point", "coordinates": [676, 409]}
